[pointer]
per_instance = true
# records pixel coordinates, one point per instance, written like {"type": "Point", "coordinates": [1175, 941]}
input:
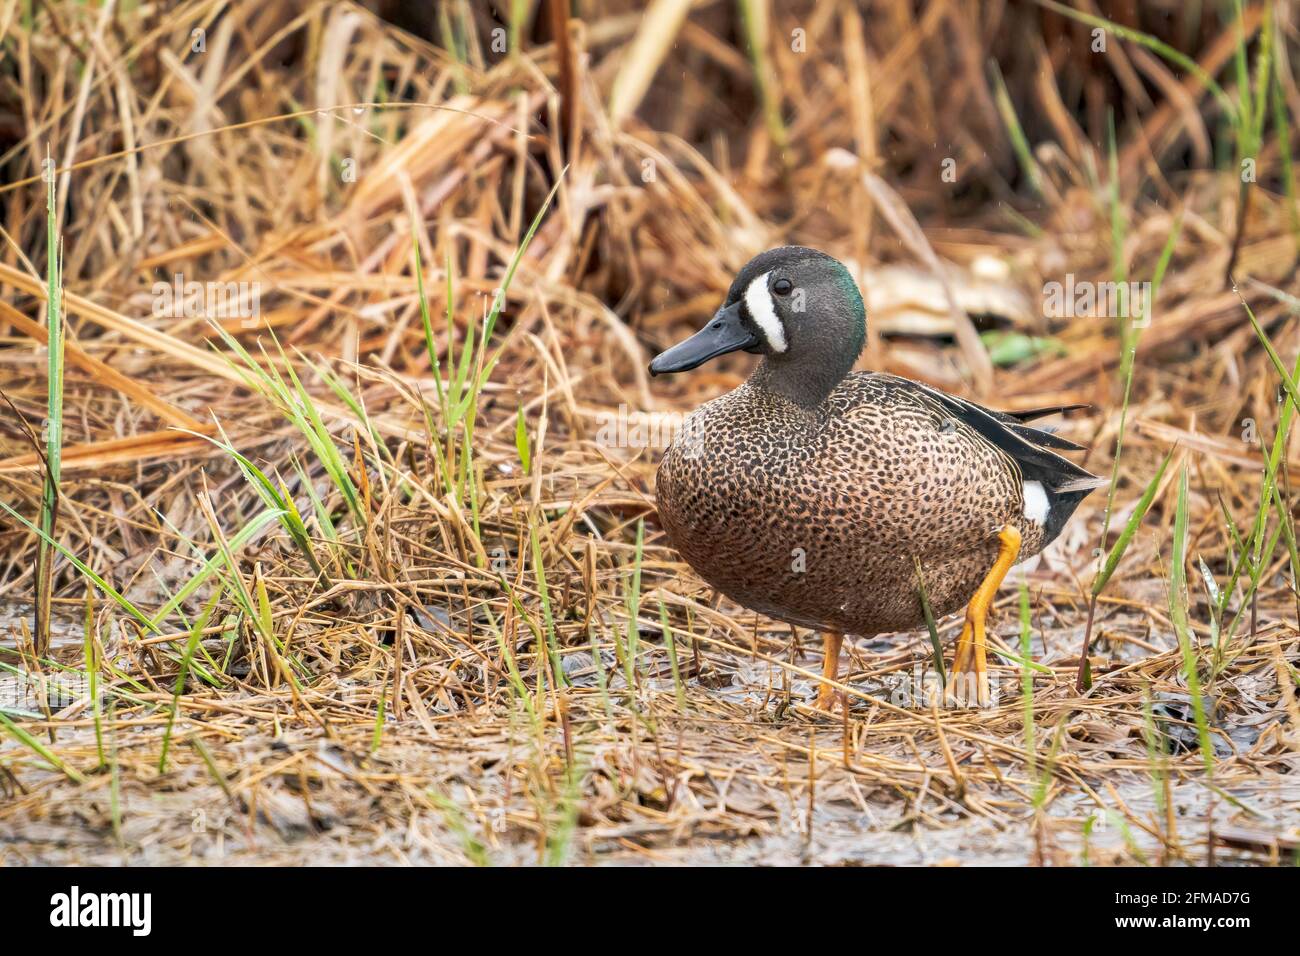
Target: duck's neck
{"type": "Point", "coordinates": [805, 382]}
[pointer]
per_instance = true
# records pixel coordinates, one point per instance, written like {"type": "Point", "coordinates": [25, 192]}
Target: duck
{"type": "Point", "coordinates": [844, 501]}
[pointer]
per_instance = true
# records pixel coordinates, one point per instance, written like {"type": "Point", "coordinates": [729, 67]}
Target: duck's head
{"type": "Point", "coordinates": [799, 308]}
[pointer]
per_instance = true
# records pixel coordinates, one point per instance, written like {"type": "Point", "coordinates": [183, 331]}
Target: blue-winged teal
{"type": "Point", "coordinates": [810, 492]}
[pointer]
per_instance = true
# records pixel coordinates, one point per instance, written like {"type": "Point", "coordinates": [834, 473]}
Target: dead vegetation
{"type": "Point", "coordinates": [385, 588]}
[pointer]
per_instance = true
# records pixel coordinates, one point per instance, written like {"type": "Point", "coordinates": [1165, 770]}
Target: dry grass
{"type": "Point", "coordinates": [467, 660]}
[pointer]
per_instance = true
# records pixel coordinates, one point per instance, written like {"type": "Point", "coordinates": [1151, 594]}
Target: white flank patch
{"type": "Point", "coordinates": [759, 302]}
{"type": "Point", "coordinates": [1036, 504]}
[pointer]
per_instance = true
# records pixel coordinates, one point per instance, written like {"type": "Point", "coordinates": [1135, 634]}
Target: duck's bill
{"type": "Point", "coordinates": [725, 333]}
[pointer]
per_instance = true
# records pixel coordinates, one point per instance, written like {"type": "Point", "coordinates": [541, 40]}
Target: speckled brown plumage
{"type": "Point", "coordinates": [812, 513]}
{"type": "Point", "coordinates": [812, 516]}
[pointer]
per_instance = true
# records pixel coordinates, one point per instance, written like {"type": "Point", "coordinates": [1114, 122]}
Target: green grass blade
{"type": "Point", "coordinates": [425, 319]}
{"type": "Point", "coordinates": [53, 428]}
{"type": "Point", "coordinates": [196, 633]}
{"type": "Point", "coordinates": [1182, 628]}
{"type": "Point", "coordinates": [671, 645]}
{"type": "Point", "coordinates": [90, 660]}
{"type": "Point", "coordinates": [1282, 127]}
{"type": "Point", "coordinates": [1027, 679]}
{"type": "Point", "coordinates": [928, 613]}
{"type": "Point", "coordinates": [552, 647]}
{"type": "Point", "coordinates": [1130, 527]}
{"type": "Point", "coordinates": [1019, 142]}
{"type": "Point", "coordinates": [40, 749]}
{"type": "Point", "coordinates": [77, 563]}
{"type": "Point", "coordinates": [522, 444]}
{"type": "Point", "coordinates": [212, 565]}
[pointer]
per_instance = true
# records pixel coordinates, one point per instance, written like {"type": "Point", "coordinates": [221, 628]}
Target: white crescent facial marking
{"type": "Point", "coordinates": [1036, 504]}
{"type": "Point", "coordinates": [759, 302]}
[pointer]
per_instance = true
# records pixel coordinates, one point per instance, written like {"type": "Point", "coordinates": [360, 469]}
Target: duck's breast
{"type": "Point", "coordinates": [817, 519]}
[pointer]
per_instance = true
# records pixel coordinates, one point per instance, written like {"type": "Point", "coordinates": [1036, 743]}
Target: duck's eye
{"type": "Point", "coordinates": [782, 286]}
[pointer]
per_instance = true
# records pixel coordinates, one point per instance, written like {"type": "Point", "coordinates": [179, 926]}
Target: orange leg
{"type": "Point", "coordinates": [831, 643]}
{"type": "Point", "coordinates": [969, 680]}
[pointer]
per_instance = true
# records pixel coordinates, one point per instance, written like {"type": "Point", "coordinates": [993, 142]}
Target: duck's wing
{"type": "Point", "coordinates": [1029, 414]}
{"type": "Point", "coordinates": [1015, 421]}
{"type": "Point", "coordinates": [1027, 446]}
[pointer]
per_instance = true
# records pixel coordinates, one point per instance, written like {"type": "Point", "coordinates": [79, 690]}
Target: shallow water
{"type": "Point", "coordinates": [20, 696]}
{"type": "Point", "coordinates": [64, 632]}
